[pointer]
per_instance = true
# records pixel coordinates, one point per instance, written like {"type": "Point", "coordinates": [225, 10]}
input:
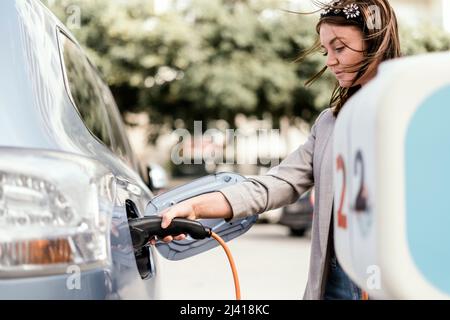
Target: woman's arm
{"type": "Point", "coordinates": [280, 186]}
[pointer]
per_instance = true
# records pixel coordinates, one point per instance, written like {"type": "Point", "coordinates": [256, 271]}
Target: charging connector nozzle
{"type": "Point", "coordinates": [144, 229]}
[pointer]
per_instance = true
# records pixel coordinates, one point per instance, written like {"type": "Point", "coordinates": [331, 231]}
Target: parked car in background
{"type": "Point", "coordinates": [158, 178]}
{"type": "Point", "coordinates": [298, 216]}
{"type": "Point", "coordinates": [271, 216]}
{"type": "Point", "coordinates": [69, 181]}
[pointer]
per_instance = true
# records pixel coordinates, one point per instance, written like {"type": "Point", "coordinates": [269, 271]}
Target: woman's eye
{"type": "Point", "coordinates": [339, 49]}
{"type": "Point", "coordinates": [324, 53]}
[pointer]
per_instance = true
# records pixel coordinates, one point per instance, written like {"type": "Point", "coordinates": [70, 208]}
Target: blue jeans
{"type": "Point", "coordinates": [339, 286]}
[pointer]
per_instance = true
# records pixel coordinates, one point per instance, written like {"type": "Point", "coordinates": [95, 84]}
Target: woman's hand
{"type": "Point", "coordinates": [207, 206]}
{"type": "Point", "coordinates": [183, 209]}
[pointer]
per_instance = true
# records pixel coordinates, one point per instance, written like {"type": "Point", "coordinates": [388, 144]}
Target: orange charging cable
{"type": "Point", "coordinates": [233, 266]}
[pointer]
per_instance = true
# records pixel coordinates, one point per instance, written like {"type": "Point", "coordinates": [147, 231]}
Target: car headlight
{"type": "Point", "coordinates": [55, 212]}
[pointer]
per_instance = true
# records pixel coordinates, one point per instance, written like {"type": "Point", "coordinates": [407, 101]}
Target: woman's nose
{"type": "Point", "coordinates": [331, 60]}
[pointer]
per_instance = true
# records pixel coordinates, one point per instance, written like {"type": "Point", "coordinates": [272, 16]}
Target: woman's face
{"type": "Point", "coordinates": [337, 44]}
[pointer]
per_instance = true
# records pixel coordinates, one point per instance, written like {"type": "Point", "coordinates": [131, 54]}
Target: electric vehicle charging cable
{"type": "Point", "coordinates": [237, 287]}
{"type": "Point", "coordinates": [142, 230]}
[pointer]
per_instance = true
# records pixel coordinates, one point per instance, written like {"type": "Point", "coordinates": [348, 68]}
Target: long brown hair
{"type": "Point", "coordinates": [380, 35]}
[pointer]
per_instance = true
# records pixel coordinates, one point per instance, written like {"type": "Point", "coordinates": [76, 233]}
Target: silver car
{"type": "Point", "coordinates": [69, 182]}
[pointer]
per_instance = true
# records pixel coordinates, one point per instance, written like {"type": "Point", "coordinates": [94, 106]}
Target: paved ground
{"type": "Point", "coordinates": [271, 265]}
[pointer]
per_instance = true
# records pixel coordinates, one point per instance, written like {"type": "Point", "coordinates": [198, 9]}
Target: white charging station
{"type": "Point", "coordinates": [392, 181]}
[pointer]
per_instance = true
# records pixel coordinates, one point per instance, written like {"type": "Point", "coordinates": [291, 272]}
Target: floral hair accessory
{"type": "Point", "coordinates": [350, 11]}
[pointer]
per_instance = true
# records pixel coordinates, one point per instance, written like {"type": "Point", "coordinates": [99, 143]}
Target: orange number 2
{"type": "Point", "coordinates": [342, 218]}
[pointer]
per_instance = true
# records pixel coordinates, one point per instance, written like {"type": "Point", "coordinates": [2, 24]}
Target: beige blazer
{"type": "Point", "coordinates": [310, 165]}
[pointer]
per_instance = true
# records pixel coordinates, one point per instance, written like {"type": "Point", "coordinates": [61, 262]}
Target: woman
{"type": "Point", "coordinates": [356, 36]}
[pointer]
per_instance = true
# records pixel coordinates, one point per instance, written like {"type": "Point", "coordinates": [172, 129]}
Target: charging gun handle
{"type": "Point", "coordinates": [143, 229]}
